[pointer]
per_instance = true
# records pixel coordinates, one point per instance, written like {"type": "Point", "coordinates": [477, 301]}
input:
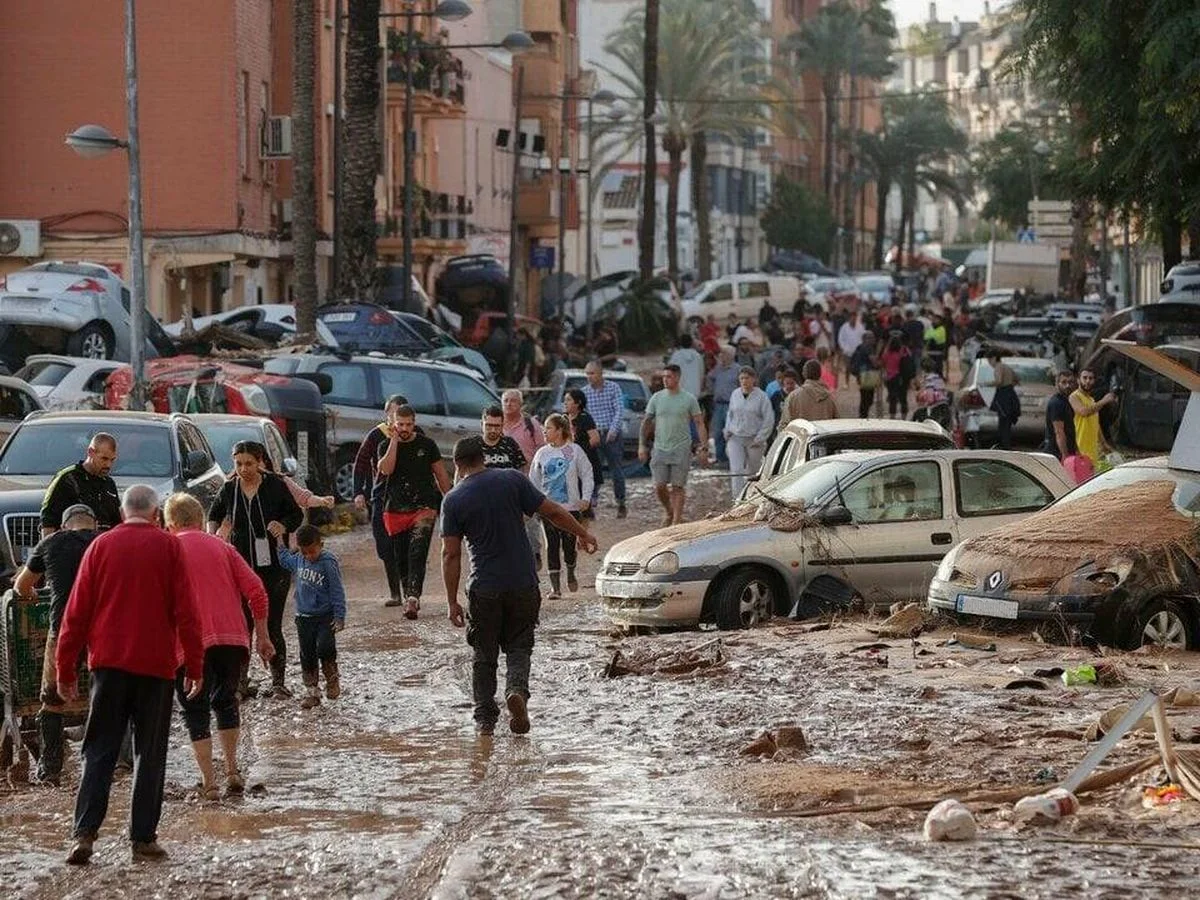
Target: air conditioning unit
{"type": "Point", "coordinates": [277, 137]}
{"type": "Point", "coordinates": [20, 237]}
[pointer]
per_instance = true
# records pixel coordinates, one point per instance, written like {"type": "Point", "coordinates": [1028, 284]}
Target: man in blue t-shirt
{"type": "Point", "coordinates": [488, 507]}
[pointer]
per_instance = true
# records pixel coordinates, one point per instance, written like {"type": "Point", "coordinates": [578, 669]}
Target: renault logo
{"type": "Point", "coordinates": [994, 580]}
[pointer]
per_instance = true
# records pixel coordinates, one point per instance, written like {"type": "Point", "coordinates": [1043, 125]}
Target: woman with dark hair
{"type": "Point", "coordinates": [584, 433]}
{"type": "Point", "coordinates": [254, 512]}
{"type": "Point", "coordinates": [897, 371]}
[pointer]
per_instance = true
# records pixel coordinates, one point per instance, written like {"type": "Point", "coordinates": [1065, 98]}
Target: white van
{"type": "Point", "coordinates": [742, 295]}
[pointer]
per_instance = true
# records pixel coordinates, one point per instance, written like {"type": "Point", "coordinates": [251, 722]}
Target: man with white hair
{"type": "Point", "coordinates": [129, 615]}
{"type": "Point", "coordinates": [528, 433]}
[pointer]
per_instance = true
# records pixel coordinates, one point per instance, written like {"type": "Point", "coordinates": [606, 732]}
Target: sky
{"type": "Point", "coordinates": [908, 12]}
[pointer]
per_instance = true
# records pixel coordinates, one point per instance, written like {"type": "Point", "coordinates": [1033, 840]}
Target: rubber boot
{"type": "Point", "coordinates": [50, 758]}
{"type": "Point", "coordinates": [555, 584]}
{"type": "Point", "coordinates": [572, 581]}
{"type": "Point", "coordinates": [312, 693]}
{"type": "Point", "coordinates": [333, 682]}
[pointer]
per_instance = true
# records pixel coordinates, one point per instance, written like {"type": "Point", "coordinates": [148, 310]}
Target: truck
{"type": "Point", "coordinates": [1021, 266]}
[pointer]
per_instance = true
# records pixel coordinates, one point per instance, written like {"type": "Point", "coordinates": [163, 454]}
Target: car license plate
{"type": "Point", "coordinates": [986, 606]}
{"type": "Point", "coordinates": [17, 305]}
{"type": "Point", "coordinates": [337, 318]}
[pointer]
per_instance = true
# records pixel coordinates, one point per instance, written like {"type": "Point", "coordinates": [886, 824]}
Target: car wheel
{"type": "Point", "coordinates": [1164, 623]}
{"type": "Point", "coordinates": [343, 475]}
{"type": "Point", "coordinates": [91, 342]}
{"type": "Point", "coordinates": [744, 598]}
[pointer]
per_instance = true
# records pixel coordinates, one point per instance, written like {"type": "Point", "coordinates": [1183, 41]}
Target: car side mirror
{"type": "Point", "coordinates": [291, 467]}
{"type": "Point", "coordinates": [835, 515]}
{"type": "Point", "coordinates": [197, 463]}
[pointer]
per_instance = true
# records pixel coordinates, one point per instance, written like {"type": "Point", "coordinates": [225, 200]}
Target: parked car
{"type": "Point", "coordinates": [740, 295]}
{"type": "Point", "coordinates": [1077, 563]}
{"type": "Point", "coordinates": [166, 451]}
{"type": "Point", "coordinates": [607, 291]}
{"type": "Point", "coordinates": [68, 382]}
{"type": "Point", "coordinates": [1181, 277]}
{"type": "Point", "coordinates": [449, 401]}
{"type": "Point", "coordinates": [801, 441]}
{"type": "Point", "coordinates": [974, 399]}
{"type": "Point", "coordinates": [634, 389]}
{"type": "Point", "coordinates": [17, 400]}
{"type": "Point", "coordinates": [875, 286]}
{"type": "Point", "coordinates": [1036, 336]}
{"type": "Point", "coordinates": [867, 525]}
{"type": "Point", "coordinates": [999, 300]}
{"type": "Point", "coordinates": [831, 292]}
{"type": "Point", "coordinates": [75, 307]}
{"type": "Point", "coordinates": [225, 431]}
{"type": "Point", "coordinates": [270, 322]}
{"type": "Point", "coordinates": [1088, 312]}
{"type": "Point", "coordinates": [445, 346]}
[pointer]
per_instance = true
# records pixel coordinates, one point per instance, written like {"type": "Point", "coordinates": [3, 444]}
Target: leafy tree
{"type": "Point", "coordinates": [1010, 166]}
{"type": "Point", "coordinates": [356, 273]}
{"type": "Point", "coordinates": [304, 186]}
{"type": "Point", "coordinates": [797, 218]}
{"type": "Point", "coordinates": [650, 167]}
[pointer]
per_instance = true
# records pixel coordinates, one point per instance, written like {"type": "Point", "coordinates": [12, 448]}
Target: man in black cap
{"type": "Point", "coordinates": [87, 482]}
{"type": "Point", "coordinates": [55, 562]}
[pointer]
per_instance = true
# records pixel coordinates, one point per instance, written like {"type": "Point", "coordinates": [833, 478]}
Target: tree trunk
{"type": "Point", "coordinates": [650, 167]}
{"type": "Point", "coordinates": [361, 154]}
{"type": "Point", "coordinates": [700, 205]}
{"type": "Point", "coordinates": [1172, 239]}
{"type": "Point", "coordinates": [1193, 233]}
{"type": "Point", "coordinates": [829, 91]}
{"type": "Point", "coordinates": [304, 185]}
{"type": "Point", "coordinates": [674, 145]}
{"type": "Point", "coordinates": [1081, 216]}
{"type": "Point", "coordinates": [905, 212]}
{"type": "Point", "coordinates": [882, 187]}
{"type": "Point", "coordinates": [912, 233]}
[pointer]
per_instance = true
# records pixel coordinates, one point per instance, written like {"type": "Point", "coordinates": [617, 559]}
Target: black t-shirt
{"type": "Point", "coordinates": [75, 484]}
{"type": "Point", "coordinates": [56, 558]}
{"type": "Point", "coordinates": [580, 426]}
{"type": "Point", "coordinates": [272, 503]}
{"type": "Point", "coordinates": [505, 454]}
{"type": "Point", "coordinates": [1058, 409]}
{"type": "Point", "coordinates": [411, 486]}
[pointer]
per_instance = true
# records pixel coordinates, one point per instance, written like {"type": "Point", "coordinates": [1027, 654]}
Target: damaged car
{"type": "Point", "coordinates": [868, 525]}
{"type": "Point", "coordinates": [1080, 563]}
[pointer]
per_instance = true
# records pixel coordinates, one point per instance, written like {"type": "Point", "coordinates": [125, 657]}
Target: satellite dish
{"type": "Point", "coordinates": [10, 238]}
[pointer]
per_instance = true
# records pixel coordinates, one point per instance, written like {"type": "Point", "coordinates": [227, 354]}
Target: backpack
{"type": "Point", "coordinates": [908, 366]}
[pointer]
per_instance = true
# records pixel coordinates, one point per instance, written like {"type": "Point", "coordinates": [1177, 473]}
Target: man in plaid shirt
{"type": "Point", "coordinates": [606, 404]}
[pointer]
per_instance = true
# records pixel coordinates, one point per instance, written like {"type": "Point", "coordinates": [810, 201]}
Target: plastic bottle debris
{"type": "Point", "coordinates": [1161, 796]}
{"type": "Point", "coordinates": [1048, 807]}
{"type": "Point", "coordinates": [1079, 675]}
{"type": "Point", "coordinates": [949, 821]}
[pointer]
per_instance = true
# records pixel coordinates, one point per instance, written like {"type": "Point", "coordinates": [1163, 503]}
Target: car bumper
{"type": "Point", "coordinates": [42, 315]}
{"type": "Point", "coordinates": [632, 601]}
{"type": "Point", "coordinates": [947, 597]}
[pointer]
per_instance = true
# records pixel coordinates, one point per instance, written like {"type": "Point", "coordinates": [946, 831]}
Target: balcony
{"type": "Point", "coordinates": [543, 82]}
{"type": "Point", "coordinates": [439, 85]}
{"type": "Point", "coordinates": [537, 202]}
{"type": "Point", "coordinates": [440, 224]}
{"type": "Point", "coordinates": [540, 16]}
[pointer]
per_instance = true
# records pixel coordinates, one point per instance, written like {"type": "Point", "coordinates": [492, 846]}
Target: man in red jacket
{"type": "Point", "coordinates": [131, 602]}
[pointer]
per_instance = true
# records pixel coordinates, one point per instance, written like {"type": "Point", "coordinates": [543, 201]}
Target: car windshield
{"type": "Point", "coordinates": [222, 438]}
{"type": "Point", "coordinates": [1187, 485]}
{"type": "Point", "coordinates": [808, 483]}
{"type": "Point", "coordinates": [44, 374]}
{"type": "Point", "coordinates": [878, 285]}
{"type": "Point", "coordinates": [43, 448]}
{"type": "Point", "coordinates": [634, 391]}
{"type": "Point", "coordinates": [1029, 372]}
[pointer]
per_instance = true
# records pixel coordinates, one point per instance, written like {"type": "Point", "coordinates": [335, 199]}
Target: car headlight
{"type": "Point", "coordinates": [665, 563]}
{"type": "Point", "coordinates": [946, 567]}
{"type": "Point", "coordinates": [256, 399]}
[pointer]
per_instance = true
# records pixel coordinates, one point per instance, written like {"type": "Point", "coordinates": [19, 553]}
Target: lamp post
{"type": "Point", "coordinates": [91, 141]}
{"type": "Point", "coordinates": [1040, 149]}
{"type": "Point", "coordinates": [606, 98]}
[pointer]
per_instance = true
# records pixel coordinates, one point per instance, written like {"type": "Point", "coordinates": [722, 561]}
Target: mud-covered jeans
{"type": "Point", "coordinates": [500, 620]}
{"type": "Point", "coordinates": [410, 553]}
{"type": "Point", "coordinates": [317, 643]}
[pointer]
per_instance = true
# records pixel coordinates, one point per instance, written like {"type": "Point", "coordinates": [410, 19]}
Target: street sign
{"type": "Point", "coordinates": [541, 257]}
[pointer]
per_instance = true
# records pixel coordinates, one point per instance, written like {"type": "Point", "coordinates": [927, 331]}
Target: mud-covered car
{"type": "Point", "coordinates": [1118, 558]}
{"type": "Point", "coordinates": [865, 525]}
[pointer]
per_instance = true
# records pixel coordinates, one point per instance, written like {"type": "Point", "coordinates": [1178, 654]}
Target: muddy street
{"type": "Point", "coordinates": [636, 786]}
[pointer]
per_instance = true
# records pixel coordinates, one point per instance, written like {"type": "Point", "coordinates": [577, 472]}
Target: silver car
{"type": "Point", "coordinates": [634, 390]}
{"type": "Point", "coordinates": [871, 525]}
{"type": "Point", "coordinates": [974, 398]}
{"type": "Point", "coordinates": [75, 307]}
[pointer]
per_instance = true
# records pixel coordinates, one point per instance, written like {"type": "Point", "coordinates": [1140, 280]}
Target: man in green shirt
{"type": "Point", "coordinates": [673, 416]}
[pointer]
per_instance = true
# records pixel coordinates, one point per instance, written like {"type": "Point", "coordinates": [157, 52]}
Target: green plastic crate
{"type": "Point", "coordinates": [26, 623]}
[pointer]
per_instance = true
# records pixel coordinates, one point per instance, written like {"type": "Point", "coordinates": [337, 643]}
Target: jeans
{"type": "Point", "coordinates": [612, 452]}
{"type": "Point", "coordinates": [277, 581]}
{"type": "Point", "coordinates": [555, 539]}
{"type": "Point", "coordinates": [222, 666]}
{"type": "Point", "coordinates": [866, 396]}
{"type": "Point", "coordinates": [500, 620]}
{"type": "Point", "coordinates": [897, 395]}
{"type": "Point", "coordinates": [317, 643]}
{"type": "Point", "coordinates": [410, 554]}
{"type": "Point", "coordinates": [720, 414]}
{"type": "Point", "coordinates": [117, 699]}
{"type": "Point", "coordinates": [744, 460]}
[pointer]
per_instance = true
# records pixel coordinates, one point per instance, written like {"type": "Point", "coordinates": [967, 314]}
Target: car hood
{"type": "Point", "coordinates": [1037, 552]}
{"type": "Point", "coordinates": [641, 548]}
{"type": "Point", "coordinates": [34, 486]}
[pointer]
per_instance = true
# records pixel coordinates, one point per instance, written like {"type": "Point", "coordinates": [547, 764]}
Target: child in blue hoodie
{"type": "Point", "coordinates": [320, 611]}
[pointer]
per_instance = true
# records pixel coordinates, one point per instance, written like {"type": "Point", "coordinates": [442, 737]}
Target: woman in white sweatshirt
{"type": "Point", "coordinates": [561, 471]}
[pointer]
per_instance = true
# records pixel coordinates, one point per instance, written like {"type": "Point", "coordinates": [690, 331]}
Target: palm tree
{"type": "Point", "coordinates": [650, 167]}
{"type": "Point", "coordinates": [304, 186]}
{"type": "Point", "coordinates": [361, 151]}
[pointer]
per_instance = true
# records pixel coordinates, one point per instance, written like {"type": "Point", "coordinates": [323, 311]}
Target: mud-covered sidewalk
{"type": "Point", "coordinates": [636, 786]}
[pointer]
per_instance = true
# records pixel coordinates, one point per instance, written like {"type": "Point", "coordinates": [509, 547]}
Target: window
{"type": "Point", "coordinates": [466, 397]}
{"type": "Point", "coordinates": [775, 466]}
{"type": "Point", "coordinates": [44, 374]}
{"type": "Point", "coordinates": [905, 492]}
{"type": "Point", "coordinates": [753, 289]}
{"type": "Point", "coordinates": [15, 404]}
{"type": "Point", "coordinates": [350, 385]}
{"type": "Point", "coordinates": [243, 123]}
{"type": "Point", "coordinates": [992, 488]}
{"type": "Point", "coordinates": [416, 385]}
{"type": "Point", "coordinates": [95, 384]}
{"type": "Point", "coordinates": [720, 292]}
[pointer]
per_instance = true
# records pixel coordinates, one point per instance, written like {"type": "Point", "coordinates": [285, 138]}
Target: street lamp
{"type": "Point", "coordinates": [604, 97]}
{"type": "Point", "coordinates": [93, 141]}
{"type": "Point", "coordinates": [1040, 149]}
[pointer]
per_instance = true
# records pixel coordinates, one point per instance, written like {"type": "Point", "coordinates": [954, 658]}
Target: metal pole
{"type": "Point", "coordinates": [337, 146]}
{"type": "Point", "coordinates": [512, 225]}
{"type": "Point", "coordinates": [409, 151]}
{"type": "Point", "coordinates": [1126, 265]}
{"type": "Point", "coordinates": [590, 215]}
{"type": "Point", "coordinates": [137, 300]}
{"type": "Point", "coordinates": [562, 200]}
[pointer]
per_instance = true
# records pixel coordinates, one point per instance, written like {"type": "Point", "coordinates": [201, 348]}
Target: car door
{"type": "Point", "coordinates": [903, 524]}
{"type": "Point", "coordinates": [352, 405]}
{"type": "Point", "coordinates": [751, 291]}
{"type": "Point", "coordinates": [1151, 410]}
{"type": "Point", "coordinates": [466, 399]}
{"type": "Point", "coordinates": [989, 492]}
{"type": "Point", "coordinates": [207, 484]}
{"type": "Point", "coordinates": [719, 302]}
{"type": "Point", "coordinates": [419, 386]}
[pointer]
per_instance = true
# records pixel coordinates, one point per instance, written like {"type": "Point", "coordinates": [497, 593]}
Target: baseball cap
{"type": "Point", "coordinates": [77, 509]}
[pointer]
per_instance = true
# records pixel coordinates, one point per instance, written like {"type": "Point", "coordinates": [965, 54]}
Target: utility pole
{"type": "Point", "coordinates": [338, 137]}
{"type": "Point", "coordinates": [562, 199]}
{"type": "Point", "coordinates": [137, 279]}
{"type": "Point", "coordinates": [410, 147]}
{"type": "Point", "coordinates": [512, 225]}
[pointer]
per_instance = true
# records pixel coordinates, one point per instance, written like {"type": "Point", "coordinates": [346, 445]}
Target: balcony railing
{"type": "Point", "coordinates": [436, 70]}
{"type": "Point", "coordinates": [439, 217]}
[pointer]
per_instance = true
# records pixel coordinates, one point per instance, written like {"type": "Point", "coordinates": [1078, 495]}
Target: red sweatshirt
{"type": "Point", "coordinates": [132, 599]}
{"type": "Point", "coordinates": [220, 579]}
